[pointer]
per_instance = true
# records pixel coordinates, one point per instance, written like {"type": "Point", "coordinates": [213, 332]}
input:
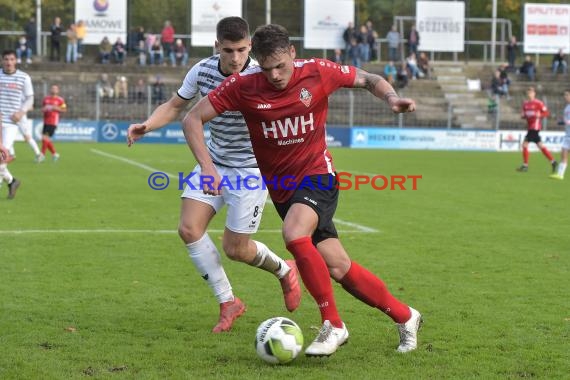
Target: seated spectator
{"type": "Point", "coordinates": [158, 91]}
{"type": "Point", "coordinates": [402, 76]}
{"type": "Point", "coordinates": [423, 64]}
{"type": "Point", "coordinates": [390, 72]}
{"type": "Point", "coordinates": [23, 50]}
{"type": "Point", "coordinates": [559, 61]}
{"type": "Point", "coordinates": [412, 64]}
{"type": "Point", "coordinates": [156, 53]}
{"type": "Point", "coordinates": [179, 54]}
{"type": "Point", "coordinates": [498, 87]}
{"type": "Point", "coordinates": [528, 68]}
{"type": "Point", "coordinates": [141, 51]}
{"type": "Point", "coordinates": [140, 91]}
{"type": "Point", "coordinates": [121, 88]}
{"type": "Point", "coordinates": [104, 88]}
{"type": "Point", "coordinates": [505, 81]}
{"type": "Point", "coordinates": [336, 56]}
{"type": "Point", "coordinates": [105, 49]}
{"type": "Point", "coordinates": [119, 51]}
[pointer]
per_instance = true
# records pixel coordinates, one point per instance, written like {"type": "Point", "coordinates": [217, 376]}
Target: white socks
{"type": "Point", "coordinates": [5, 173]}
{"type": "Point", "coordinates": [34, 146]}
{"type": "Point", "coordinates": [561, 169]}
{"type": "Point", "coordinates": [269, 261]}
{"type": "Point", "coordinates": [207, 260]}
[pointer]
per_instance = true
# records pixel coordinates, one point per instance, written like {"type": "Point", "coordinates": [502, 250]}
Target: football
{"type": "Point", "coordinates": [278, 340]}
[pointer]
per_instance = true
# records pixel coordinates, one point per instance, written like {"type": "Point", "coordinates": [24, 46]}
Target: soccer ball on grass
{"type": "Point", "coordinates": [278, 340]}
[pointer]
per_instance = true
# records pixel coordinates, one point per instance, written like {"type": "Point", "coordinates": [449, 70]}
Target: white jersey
{"type": "Point", "coordinates": [567, 119]}
{"type": "Point", "coordinates": [14, 89]}
{"type": "Point", "coordinates": [229, 144]}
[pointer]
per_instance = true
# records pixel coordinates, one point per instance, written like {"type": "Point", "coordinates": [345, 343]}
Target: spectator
{"type": "Point", "coordinates": [140, 47]}
{"type": "Point", "coordinates": [158, 91]}
{"type": "Point", "coordinates": [119, 51]}
{"type": "Point", "coordinates": [23, 50]}
{"type": "Point", "coordinates": [505, 81]}
{"type": "Point", "coordinates": [371, 38]}
{"type": "Point", "coordinates": [56, 30]}
{"type": "Point", "coordinates": [412, 64]}
{"type": "Point", "coordinates": [156, 53]}
{"type": "Point", "coordinates": [393, 38]}
{"type": "Point", "coordinates": [336, 57]}
{"type": "Point", "coordinates": [179, 53]}
{"type": "Point", "coordinates": [413, 40]}
{"type": "Point", "coordinates": [497, 85]}
{"type": "Point", "coordinates": [167, 39]}
{"type": "Point", "coordinates": [71, 52]}
{"type": "Point", "coordinates": [140, 91]}
{"type": "Point", "coordinates": [31, 30]}
{"type": "Point", "coordinates": [105, 49]}
{"type": "Point", "coordinates": [121, 88]}
{"type": "Point", "coordinates": [528, 68]}
{"type": "Point", "coordinates": [363, 44]}
{"type": "Point", "coordinates": [390, 72]}
{"type": "Point", "coordinates": [150, 38]}
{"type": "Point", "coordinates": [402, 77]}
{"type": "Point", "coordinates": [104, 88]}
{"type": "Point", "coordinates": [347, 36]}
{"type": "Point", "coordinates": [512, 50]}
{"type": "Point", "coordinates": [559, 61]}
{"type": "Point", "coordinates": [353, 54]}
{"type": "Point", "coordinates": [81, 32]}
{"type": "Point", "coordinates": [423, 64]}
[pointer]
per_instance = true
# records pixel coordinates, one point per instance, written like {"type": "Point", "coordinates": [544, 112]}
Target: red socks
{"type": "Point", "coordinates": [368, 288]}
{"type": "Point", "coordinates": [525, 156]}
{"type": "Point", "coordinates": [315, 275]}
{"type": "Point", "coordinates": [47, 144]}
{"type": "Point", "coordinates": [547, 153]}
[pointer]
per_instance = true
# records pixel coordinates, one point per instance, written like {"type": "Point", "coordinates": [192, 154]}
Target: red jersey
{"type": "Point", "coordinates": [286, 127]}
{"type": "Point", "coordinates": [51, 116]}
{"type": "Point", "coordinates": [533, 111]}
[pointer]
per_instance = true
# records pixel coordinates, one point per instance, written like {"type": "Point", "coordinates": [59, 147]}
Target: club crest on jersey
{"type": "Point", "coordinates": [305, 96]}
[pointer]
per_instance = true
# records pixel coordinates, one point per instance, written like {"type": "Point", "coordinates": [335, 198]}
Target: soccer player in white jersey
{"type": "Point", "coordinates": [16, 99]}
{"type": "Point", "coordinates": [230, 149]}
{"type": "Point", "coordinates": [566, 143]}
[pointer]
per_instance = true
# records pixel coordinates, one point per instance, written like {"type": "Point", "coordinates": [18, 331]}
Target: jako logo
{"type": "Point", "coordinates": [263, 106]}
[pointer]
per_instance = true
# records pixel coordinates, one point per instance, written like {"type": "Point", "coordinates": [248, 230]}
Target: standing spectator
{"type": "Point", "coordinates": [413, 40]}
{"type": "Point", "coordinates": [353, 54]}
{"type": "Point", "coordinates": [71, 53]}
{"type": "Point", "coordinates": [559, 61]}
{"type": "Point", "coordinates": [119, 51]}
{"type": "Point", "coordinates": [158, 91]}
{"type": "Point", "coordinates": [348, 34]}
{"type": "Point", "coordinates": [105, 49]}
{"type": "Point", "coordinates": [31, 30]}
{"type": "Point", "coordinates": [52, 106]}
{"type": "Point", "coordinates": [512, 52]}
{"type": "Point", "coordinates": [56, 30]}
{"type": "Point", "coordinates": [179, 53]}
{"type": "Point", "coordinates": [80, 32]}
{"type": "Point", "coordinates": [371, 38]}
{"type": "Point", "coordinates": [337, 57]}
{"type": "Point", "coordinates": [533, 111]}
{"type": "Point", "coordinates": [23, 50]}
{"type": "Point", "coordinates": [393, 38]}
{"type": "Point", "coordinates": [363, 44]}
{"type": "Point", "coordinates": [167, 39]}
{"type": "Point", "coordinates": [390, 72]}
{"type": "Point", "coordinates": [528, 68]}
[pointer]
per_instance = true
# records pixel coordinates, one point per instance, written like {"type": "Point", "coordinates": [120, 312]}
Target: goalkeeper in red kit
{"type": "Point", "coordinates": [534, 110]}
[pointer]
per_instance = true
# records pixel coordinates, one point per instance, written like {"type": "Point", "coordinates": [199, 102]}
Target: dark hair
{"type": "Point", "coordinates": [8, 52]}
{"type": "Point", "coordinates": [268, 40]}
{"type": "Point", "coordinates": [232, 28]}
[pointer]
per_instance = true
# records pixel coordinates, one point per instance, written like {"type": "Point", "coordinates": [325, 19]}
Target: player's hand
{"type": "Point", "coordinates": [401, 105]}
{"type": "Point", "coordinates": [211, 181]}
{"type": "Point", "coordinates": [17, 116]}
{"type": "Point", "coordinates": [4, 153]}
{"type": "Point", "coordinates": [134, 133]}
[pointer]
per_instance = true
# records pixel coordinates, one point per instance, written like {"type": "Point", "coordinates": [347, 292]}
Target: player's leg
{"type": "Point", "coordinates": [547, 154]}
{"type": "Point", "coordinates": [195, 216]}
{"type": "Point", "coordinates": [25, 130]}
{"type": "Point", "coordinates": [525, 154]}
{"type": "Point", "coordinates": [371, 290]}
{"type": "Point", "coordinates": [47, 135]}
{"type": "Point", "coordinates": [563, 160]}
{"type": "Point", "coordinates": [8, 138]}
{"type": "Point", "coordinates": [245, 210]}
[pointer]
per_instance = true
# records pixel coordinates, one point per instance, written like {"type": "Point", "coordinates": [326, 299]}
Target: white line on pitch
{"type": "Point", "coordinates": [359, 227]}
{"type": "Point", "coordinates": [132, 162]}
{"type": "Point", "coordinates": [126, 231]}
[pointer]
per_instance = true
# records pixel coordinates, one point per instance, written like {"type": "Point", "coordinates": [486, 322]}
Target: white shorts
{"type": "Point", "coordinates": [242, 190]}
{"type": "Point", "coordinates": [566, 143]}
{"type": "Point", "coordinates": [9, 134]}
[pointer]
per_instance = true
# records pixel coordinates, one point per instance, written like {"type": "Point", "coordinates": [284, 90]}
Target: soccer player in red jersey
{"type": "Point", "coordinates": [533, 110]}
{"type": "Point", "coordinates": [52, 106]}
{"type": "Point", "coordinates": [284, 103]}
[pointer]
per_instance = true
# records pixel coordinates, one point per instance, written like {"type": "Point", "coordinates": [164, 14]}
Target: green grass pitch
{"type": "Point", "coordinates": [94, 281]}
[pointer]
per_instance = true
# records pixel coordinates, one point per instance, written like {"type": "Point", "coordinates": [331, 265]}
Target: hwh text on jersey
{"type": "Point", "coordinates": [288, 127]}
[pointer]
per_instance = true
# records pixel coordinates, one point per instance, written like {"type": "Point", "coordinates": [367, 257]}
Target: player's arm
{"type": "Point", "coordinates": [27, 105]}
{"type": "Point", "coordinates": [162, 115]}
{"type": "Point", "coordinates": [193, 126]}
{"type": "Point", "coordinates": [380, 88]}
